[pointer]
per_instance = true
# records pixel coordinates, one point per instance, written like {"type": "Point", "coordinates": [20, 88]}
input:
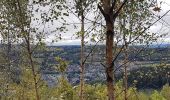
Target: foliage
{"type": "Point", "coordinates": [165, 92]}
{"type": "Point", "coordinates": [21, 77]}
{"type": "Point", "coordinates": [156, 96]}
{"type": "Point", "coordinates": [150, 77]}
{"type": "Point", "coordinates": [65, 91]}
{"type": "Point", "coordinates": [62, 65]}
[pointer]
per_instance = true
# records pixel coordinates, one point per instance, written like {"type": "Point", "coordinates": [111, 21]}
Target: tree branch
{"type": "Point", "coordinates": [103, 65]}
{"type": "Point", "coordinates": [149, 27]}
{"type": "Point", "coordinates": [121, 49]}
{"type": "Point", "coordinates": [101, 10]}
{"type": "Point", "coordinates": [113, 5]}
{"type": "Point", "coordinates": [120, 8]}
{"type": "Point", "coordinates": [138, 37]}
{"type": "Point", "coordinates": [90, 52]}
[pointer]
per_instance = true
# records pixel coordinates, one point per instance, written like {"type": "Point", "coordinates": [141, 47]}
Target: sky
{"type": "Point", "coordinates": [163, 26]}
{"type": "Point", "coordinates": [68, 38]}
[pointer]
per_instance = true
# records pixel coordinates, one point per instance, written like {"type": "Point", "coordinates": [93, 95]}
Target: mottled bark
{"type": "Point", "coordinates": [82, 58]}
{"type": "Point", "coordinates": [107, 8]}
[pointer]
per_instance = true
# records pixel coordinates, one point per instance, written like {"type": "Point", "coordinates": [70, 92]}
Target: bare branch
{"type": "Point", "coordinates": [117, 55]}
{"type": "Point", "coordinates": [101, 10]}
{"type": "Point", "coordinates": [103, 65]}
{"type": "Point", "coordinates": [90, 52]}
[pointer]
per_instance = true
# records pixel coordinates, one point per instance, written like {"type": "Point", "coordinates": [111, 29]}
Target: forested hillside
{"type": "Point", "coordinates": [84, 50]}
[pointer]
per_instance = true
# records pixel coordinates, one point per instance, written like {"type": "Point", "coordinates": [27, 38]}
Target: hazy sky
{"type": "Point", "coordinates": [163, 26]}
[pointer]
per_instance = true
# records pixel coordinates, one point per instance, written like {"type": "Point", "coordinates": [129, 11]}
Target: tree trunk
{"type": "Point", "coordinates": [110, 14]}
{"type": "Point", "coordinates": [125, 60]}
{"type": "Point", "coordinates": [35, 80]}
{"type": "Point", "coordinates": [27, 39]}
{"type": "Point", "coordinates": [107, 12]}
{"type": "Point", "coordinates": [125, 71]}
{"type": "Point", "coordinates": [82, 58]}
{"type": "Point", "coordinates": [33, 70]}
{"type": "Point", "coordinates": [109, 59]}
